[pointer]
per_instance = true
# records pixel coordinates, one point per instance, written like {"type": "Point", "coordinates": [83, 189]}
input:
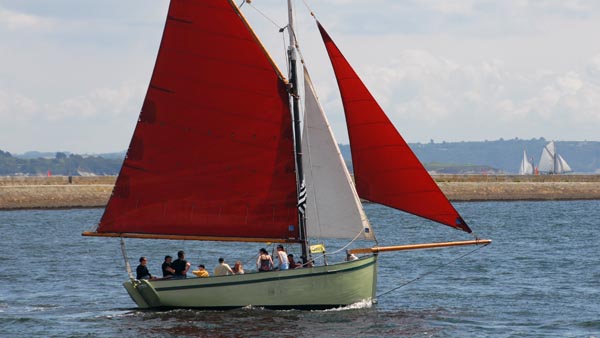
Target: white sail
{"type": "Point", "coordinates": [333, 207]}
{"type": "Point", "coordinates": [547, 158]}
{"type": "Point", "coordinates": [562, 165]}
{"type": "Point", "coordinates": [551, 162]}
{"type": "Point", "coordinates": [526, 165]}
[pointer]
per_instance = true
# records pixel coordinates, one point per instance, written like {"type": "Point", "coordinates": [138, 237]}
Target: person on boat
{"type": "Point", "coordinates": [167, 269]}
{"type": "Point", "coordinates": [293, 263]}
{"type": "Point", "coordinates": [142, 271]}
{"type": "Point", "coordinates": [264, 261]}
{"type": "Point", "coordinates": [308, 264]}
{"type": "Point", "coordinates": [223, 269]}
{"type": "Point", "coordinates": [351, 257]}
{"type": "Point", "coordinates": [180, 265]}
{"type": "Point", "coordinates": [282, 258]}
{"type": "Point", "coordinates": [238, 269]}
{"type": "Point", "coordinates": [201, 272]}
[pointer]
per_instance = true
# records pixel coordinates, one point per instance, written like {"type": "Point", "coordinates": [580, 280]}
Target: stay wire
{"type": "Point", "coordinates": [280, 28]}
{"type": "Point", "coordinates": [431, 271]}
{"type": "Point", "coordinates": [309, 9]}
{"type": "Point", "coordinates": [265, 16]}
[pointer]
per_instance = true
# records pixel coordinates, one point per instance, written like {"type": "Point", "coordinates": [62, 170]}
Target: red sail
{"type": "Point", "coordinates": [385, 168]}
{"type": "Point", "coordinates": [212, 153]}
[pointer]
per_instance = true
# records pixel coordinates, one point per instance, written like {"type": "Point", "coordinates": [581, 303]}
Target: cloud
{"type": "Point", "coordinates": [419, 87]}
{"type": "Point", "coordinates": [593, 69]}
{"type": "Point", "coordinates": [17, 21]}
{"type": "Point", "coordinates": [100, 121]}
{"type": "Point", "coordinates": [101, 103]}
{"type": "Point", "coordinates": [15, 107]}
{"type": "Point", "coordinates": [107, 102]}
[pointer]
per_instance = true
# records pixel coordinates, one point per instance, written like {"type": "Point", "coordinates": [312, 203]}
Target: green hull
{"type": "Point", "coordinates": [309, 288]}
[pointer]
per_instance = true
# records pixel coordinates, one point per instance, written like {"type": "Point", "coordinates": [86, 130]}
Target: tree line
{"type": "Point", "coordinates": [499, 156]}
{"type": "Point", "coordinates": [61, 164]}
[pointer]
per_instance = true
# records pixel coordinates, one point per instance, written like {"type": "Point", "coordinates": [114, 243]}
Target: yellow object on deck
{"type": "Point", "coordinates": [317, 248]}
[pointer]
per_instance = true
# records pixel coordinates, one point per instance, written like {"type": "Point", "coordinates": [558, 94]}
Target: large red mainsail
{"type": "Point", "coordinates": [212, 153]}
{"type": "Point", "coordinates": [386, 170]}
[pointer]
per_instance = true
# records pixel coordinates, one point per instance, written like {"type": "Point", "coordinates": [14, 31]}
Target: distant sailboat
{"type": "Point", "coordinates": [526, 165]}
{"type": "Point", "coordinates": [551, 162]}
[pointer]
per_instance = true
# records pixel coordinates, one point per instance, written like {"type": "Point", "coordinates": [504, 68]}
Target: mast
{"type": "Point", "coordinates": [292, 56]}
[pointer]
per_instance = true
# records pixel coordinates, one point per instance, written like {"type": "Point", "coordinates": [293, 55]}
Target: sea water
{"type": "Point", "coordinates": [539, 278]}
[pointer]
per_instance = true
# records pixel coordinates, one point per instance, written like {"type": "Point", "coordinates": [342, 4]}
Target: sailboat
{"type": "Point", "coordinates": [551, 162]}
{"type": "Point", "coordinates": [219, 154]}
{"type": "Point", "coordinates": [526, 167]}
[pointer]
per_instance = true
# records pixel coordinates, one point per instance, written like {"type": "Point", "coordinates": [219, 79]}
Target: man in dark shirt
{"type": "Point", "coordinates": [293, 264]}
{"type": "Point", "coordinates": [180, 265]}
{"type": "Point", "coordinates": [142, 270]}
{"type": "Point", "coordinates": [167, 269]}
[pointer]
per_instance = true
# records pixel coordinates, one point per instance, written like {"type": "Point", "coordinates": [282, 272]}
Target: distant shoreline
{"type": "Point", "coordinates": [19, 192]}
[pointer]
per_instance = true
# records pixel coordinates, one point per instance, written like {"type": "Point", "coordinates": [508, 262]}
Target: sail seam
{"type": "Point", "coordinates": [128, 165]}
{"type": "Point", "coordinates": [162, 89]}
{"type": "Point", "coordinates": [172, 18]}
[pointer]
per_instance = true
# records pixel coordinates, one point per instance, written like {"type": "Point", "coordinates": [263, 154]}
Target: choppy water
{"type": "Point", "coordinates": [540, 278]}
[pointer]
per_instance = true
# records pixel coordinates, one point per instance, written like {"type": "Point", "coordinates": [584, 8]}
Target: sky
{"type": "Point", "coordinates": [73, 74]}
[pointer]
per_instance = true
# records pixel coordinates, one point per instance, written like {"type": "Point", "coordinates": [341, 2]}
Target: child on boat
{"type": "Point", "coordinates": [201, 272]}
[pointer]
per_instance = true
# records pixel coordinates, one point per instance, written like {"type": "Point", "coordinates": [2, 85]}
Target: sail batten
{"type": "Point", "coordinates": [377, 148]}
{"type": "Point", "coordinates": [212, 155]}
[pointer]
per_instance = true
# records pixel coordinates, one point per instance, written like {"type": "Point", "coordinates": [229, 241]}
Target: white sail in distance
{"type": "Point", "coordinates": [562, 165]}
{"type": "Point", "coordinates": [551, 162]}
{"type": "Point", "coordinates": [526, 165]}
{"type": "Point", "coordinates": [333, 207]}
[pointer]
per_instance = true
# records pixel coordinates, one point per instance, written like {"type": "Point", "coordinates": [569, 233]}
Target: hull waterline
{"type": "Point", "coordinates": [319, 287]}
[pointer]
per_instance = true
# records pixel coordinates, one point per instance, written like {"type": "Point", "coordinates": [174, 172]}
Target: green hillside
{"type": "Point", "coordinates": [61, 164]}
{"type": "Point", "coordinates": [500, 156]}
{"type": "Point", "coordinates": [503, 155]}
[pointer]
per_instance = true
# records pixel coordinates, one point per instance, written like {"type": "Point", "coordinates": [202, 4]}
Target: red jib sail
{"type": "Point", "coordinates": [386, 170]}
{"type": "Point", "coordinates": [212, 153]}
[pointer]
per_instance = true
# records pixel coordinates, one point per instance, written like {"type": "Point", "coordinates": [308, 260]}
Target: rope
{"type": "Point", "coordinates": [280, 28]}
{"type": "Point", "coordinates": [265, 16]}
{"type": "Point", "coordinates": [124, 252]}
{"type": "Point", "coordinates": [309, 9]}
{"type": "Point", "coordinates": [334, 252]}
{"type": "Point", "coordinates": [431, 271]}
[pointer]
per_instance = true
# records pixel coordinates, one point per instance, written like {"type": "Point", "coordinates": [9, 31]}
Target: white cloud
{"type": "Point", "coordinates": [421, 87]}
{"type": "Point", "coordinates": [14, 21]}
{"type": "Point", "coordinates": [107, 102]}
{"type": "Point", "coordinates": [103, 103]}
{"type": "Point", "coordinates": [15, 107]}
{"type": "Point", "coordinates": [99, 121]}
{"type": "Point", "coordinates": [593, 69]}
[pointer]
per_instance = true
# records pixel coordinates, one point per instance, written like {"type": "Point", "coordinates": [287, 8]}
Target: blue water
{"type": "Point", "coordinates": [540, 278]}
